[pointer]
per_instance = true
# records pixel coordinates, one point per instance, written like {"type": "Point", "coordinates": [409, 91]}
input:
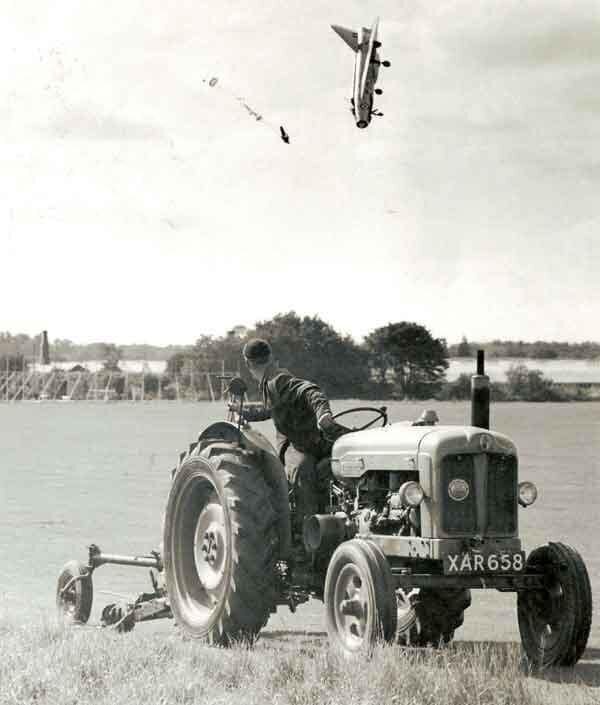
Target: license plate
{"type": "Point", "coordinates": [473, 562]}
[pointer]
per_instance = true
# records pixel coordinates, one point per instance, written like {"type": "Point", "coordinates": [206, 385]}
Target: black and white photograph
{"type": "Point", "coordinates": [300, 352]}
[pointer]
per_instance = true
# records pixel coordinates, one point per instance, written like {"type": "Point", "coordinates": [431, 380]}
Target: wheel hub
{"type": "Point", "coordinates": [210, 552]}
{"type": "Point", "coordinates": [210, 547]}
{"type": "Point", "coordinates": [350, 606]}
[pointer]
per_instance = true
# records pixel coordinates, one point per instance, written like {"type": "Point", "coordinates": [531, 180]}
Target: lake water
{"type": "Point", "coordinates": [72, 474]}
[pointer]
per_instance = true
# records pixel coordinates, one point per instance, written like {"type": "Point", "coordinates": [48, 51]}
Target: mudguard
{"type": "Point", "coordinates": [254, 441]}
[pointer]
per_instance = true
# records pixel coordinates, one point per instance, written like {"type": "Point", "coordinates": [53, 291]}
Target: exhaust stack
{"type": "Point", "coordinates": [480, 395]}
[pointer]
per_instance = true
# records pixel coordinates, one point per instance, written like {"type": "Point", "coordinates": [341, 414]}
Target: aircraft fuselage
{"type": "Point", "coordinates": [366, 69]}
{"type": "Point", "coordinates": [365, 77]}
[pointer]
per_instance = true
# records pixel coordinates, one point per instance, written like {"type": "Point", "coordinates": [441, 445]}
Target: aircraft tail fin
{"type": "Point", "coordinates": [348, 35]}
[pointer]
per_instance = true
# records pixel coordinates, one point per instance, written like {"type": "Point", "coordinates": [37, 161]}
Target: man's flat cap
{"type": "Point", "coordinates": [257, 350]}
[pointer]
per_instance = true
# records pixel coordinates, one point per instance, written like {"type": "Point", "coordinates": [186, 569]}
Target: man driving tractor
{"type": "Point", "coordinates": [303, 421]}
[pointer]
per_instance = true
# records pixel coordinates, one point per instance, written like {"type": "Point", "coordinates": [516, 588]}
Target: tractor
{"type": "Point", "coordinates": [416, 516]}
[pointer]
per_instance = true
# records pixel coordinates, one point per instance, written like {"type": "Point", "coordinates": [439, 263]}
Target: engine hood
{"type": "Point", "coordinates": [395, 438]}
{"type": "Point", "coordinates": [396, 447]}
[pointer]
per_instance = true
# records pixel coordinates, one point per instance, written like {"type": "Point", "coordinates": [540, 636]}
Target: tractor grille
{"type": "Point", "coordinates": [459, 517]}
{"type": "Point", "coordinates": [491, 504]}
{"type": "Point", "coordinates": [502, 500]}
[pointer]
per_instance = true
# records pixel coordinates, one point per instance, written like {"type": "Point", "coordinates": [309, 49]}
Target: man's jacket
{"type": "Point", "coordinates": [295, 405]}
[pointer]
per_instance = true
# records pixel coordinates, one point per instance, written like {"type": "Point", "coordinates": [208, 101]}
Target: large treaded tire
{"type": "Point", "coordinates": [555, 622]}
{"type": "Point", "coordinates": [359, 597]}
{"type": "Point", "coordinates": [439, 613]}
{"type": "Point", "coordinates": [220, 544]}
{"type": "Point", "coordinates": [74, 593]}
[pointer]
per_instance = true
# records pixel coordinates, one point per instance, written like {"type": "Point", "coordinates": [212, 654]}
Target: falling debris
{"type": "Point", "coordinates": [250, 111]}
{"type": "Point", "coordinates": [214, 82]}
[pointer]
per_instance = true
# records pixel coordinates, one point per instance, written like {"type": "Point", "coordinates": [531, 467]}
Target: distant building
{"type": "Point", "coordinates": [156, 367]}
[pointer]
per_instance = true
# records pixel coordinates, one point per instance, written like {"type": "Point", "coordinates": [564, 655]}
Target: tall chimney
{"type": "Point", "coordinates": [45, 349]}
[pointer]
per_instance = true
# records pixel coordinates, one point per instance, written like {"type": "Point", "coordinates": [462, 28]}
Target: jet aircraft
{"type": "Point", "coordinates": [366, 70]}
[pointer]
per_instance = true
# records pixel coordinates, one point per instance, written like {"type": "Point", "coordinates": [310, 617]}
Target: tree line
{"type": "Point", "coordinates": [21, 345]}
{"type": "Point", "coordinates": [25, 346]}
{"type": "Point", "coordinates": [538, 350]}
{"type": "Point", "coordinates": [401, 360]}
{"type": "Point", "coordinates": [398, 361]}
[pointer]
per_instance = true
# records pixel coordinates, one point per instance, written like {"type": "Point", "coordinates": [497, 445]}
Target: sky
{"type": "Point", "coordinates": [141, 205]}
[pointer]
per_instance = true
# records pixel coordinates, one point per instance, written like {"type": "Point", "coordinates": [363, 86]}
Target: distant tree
{"type": "Point", "coordinates": [176, 362]}
{"type": "Point", "coordinates": [110, 354]}
{"type": "Point", "coordinates": [530, 385]}
{"type": "Point", "coordinates": [308, 346]}
{"type": "Point", "coordinates": [543, 351]}
{"type": "Point", "coordinates": [209, 354]}
{"type": "Point", "coordinates": [418, 360]}
{"type": "Point", "coordinates": [238, 332]}
{"type": "Point", "coordinates": [314, 350]}
{"type": "Point", "coordinates": [14, 362]}
{"type": "Point", "coordinates": [464, 349]}
{"type": "Point", "coordinates": [63, 349]}
{"type": "Point", "coordinates": [460, 388]}
{"type": "Point", "coordinates": [498, 392]}
{"type": "Point", "coordinates": [151, 384]}
{"type": "Point", "coordinates": [118, 384]}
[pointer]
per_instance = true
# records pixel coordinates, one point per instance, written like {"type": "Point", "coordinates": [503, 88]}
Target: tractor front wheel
{"type": "Point", "coordinates": [360, 602]}
{"type": "Point", "coordinates": [555, 621]}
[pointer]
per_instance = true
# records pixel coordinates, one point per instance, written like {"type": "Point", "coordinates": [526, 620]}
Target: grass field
{"type": "Point", "coordinates": [72, 474]}
{"type": "Point", "coordinates": [45, 663]}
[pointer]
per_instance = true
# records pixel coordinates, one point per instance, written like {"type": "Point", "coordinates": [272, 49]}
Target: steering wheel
{"type": "Point", "coordinates": [380, 415]}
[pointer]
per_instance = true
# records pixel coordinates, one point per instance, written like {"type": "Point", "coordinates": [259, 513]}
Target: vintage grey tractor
{"type": "Point", "coordinates": [414, 518]}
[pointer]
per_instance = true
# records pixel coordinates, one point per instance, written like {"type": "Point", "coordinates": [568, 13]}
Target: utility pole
{"type": "Point", "coordinates": [33, 384]}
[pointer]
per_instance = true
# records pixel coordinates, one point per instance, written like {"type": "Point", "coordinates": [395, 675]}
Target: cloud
{"type": "Point", "coordinates": [95, 126]}
{"type": "Point", "coordinates": [525, 35]}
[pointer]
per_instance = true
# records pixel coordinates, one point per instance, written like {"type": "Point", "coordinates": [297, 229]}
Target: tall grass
{"type": "Point", "coordinates": [47, 663]}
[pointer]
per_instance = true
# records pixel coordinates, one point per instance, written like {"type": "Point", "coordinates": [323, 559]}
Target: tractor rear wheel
{"type": "Point", "coordinates": [555, 621]}
{"type": "Point", "coordinates": [438, 613]}
{"type": "Point", "coordinates": [220, 544]}
{"type": "Point", "coordinates": [360, 602]}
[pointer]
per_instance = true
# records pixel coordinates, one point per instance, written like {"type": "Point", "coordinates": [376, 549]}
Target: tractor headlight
{"type": "Point", "coordinates": [411, 494]}
{"type": "Point", "coordinates": [527, 493]}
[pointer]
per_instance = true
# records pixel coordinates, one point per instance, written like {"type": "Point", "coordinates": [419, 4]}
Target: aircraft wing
{"type": "Point", "coordinates": [348, 35]}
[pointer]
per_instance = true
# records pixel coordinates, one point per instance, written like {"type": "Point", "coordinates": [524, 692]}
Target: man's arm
{"type": "Point", "coordinates": [291, 389]}
{"type": "Point", "coordinates": [256, 413]}
{"type": "Point", "coordinates": [288, 391]}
